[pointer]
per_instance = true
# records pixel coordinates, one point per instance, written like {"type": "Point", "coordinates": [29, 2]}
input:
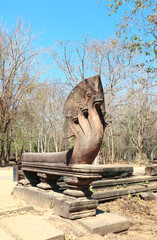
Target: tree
{"type": "Point", "coordinates": [48, 113]}
{"type": "Point", "coordinates": [139, 117]}
{"type": "Point", "coordinates": [19, 71]}
{"type": "Point", "coordinates": [71, 59]}
{"type": "Point", "coordinates": [138, 25]}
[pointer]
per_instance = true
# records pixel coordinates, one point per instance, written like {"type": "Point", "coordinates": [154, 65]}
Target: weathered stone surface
{"type": "Point", "coordinates": [84, 112]}
{"type": "Point", "coordinates": [147, 196]}
{"type": "Point", "coordinates": [105, 223]}
{"type": "Point", "coordinates": [78, 98]}
{"type": "Point", "coordinates": [19, 209]}
{"type": "Point", "coordinates": [77, 193]}
{"type": "Point", "coordinates": [151, 170]}
{"type": "Point", "coordinates": [35, 196]}
{"type": "Point", "coordinates": [117, 171]}
{"type": "Point", "coordinates": [73, 208]}
{"type": "Point", "coordinates": [5, 236]}
{"type": "Point", "coordinates": [108, 195]}
{"type": "Point", "coordinates": [112, 182]}
{"type": "Point", "coordinates": [139, 171]}
{"type": "Point", "coordinates": [31, 227]}
{"type": "Point", "coordinates": [72, 226]}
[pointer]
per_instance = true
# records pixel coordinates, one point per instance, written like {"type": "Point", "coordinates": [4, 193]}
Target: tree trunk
{"type": "Point", "coordinates": [140, 145]}
{"type": "Point", "coordinates": [109, 149]}
{"type": "Point", "coordinates": [112, 143]}
{"type": "Point", "coordinates": [2, 156]}
{"type": "Point", "coordinates": [139, 154]}
{"type": "Point", "coordinates": [30, 145]}
{"type": "Point", "coordinates": [22, 148]}
{"type": "Point", "coordinates": [39, 144]}
{"type": "Point", "coordinates": [8, 148]}
{"type": "Point", "coordinates": [56, 146]}
{"type": "Point", "coordinates": [45, 143]}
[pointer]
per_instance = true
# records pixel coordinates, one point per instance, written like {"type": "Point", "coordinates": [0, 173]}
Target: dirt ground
{"type": "Point", "coordinates": [142, 214]}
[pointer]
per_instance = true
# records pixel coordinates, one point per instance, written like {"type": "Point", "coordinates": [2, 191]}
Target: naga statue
{"type": "Point", "coordinates": [84, 113]}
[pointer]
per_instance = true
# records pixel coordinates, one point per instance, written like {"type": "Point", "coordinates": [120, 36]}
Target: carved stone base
{"type": "Point", "coordinates": [73, 208]}
{"type": "Point", "coordinates": [76, 200]}
{"type": "Point", "coordinates": [28, 179]}
{"type": "Point", "coordinates": [24, 182]}
{"type": "Point", "coordinates": [48, 182]}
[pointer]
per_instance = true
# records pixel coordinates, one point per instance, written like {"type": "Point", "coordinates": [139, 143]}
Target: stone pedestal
{"type": "Point", "coordinates": [47, 182]}
{"type": "Point", "coordinates": [76, 201]}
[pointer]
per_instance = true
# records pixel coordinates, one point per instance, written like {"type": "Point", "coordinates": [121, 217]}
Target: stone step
{"type": "Point", "coordinates": [103, 196]}
{"type": "Point", "coordinates": [113, 182]}
{"type": "Point", "coordinates": [31, 227]}
{"type": "Point", "coordinates": [105, 223]}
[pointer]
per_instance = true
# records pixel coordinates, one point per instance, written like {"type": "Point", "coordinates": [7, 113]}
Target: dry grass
{"type": "Point", "coordinates": [142, 215]}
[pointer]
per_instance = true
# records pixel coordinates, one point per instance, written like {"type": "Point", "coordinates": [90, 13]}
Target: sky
{"type": "Point", "coordinates": [61, 19]}
{"type": "Point", "coordinates": [64, 20]}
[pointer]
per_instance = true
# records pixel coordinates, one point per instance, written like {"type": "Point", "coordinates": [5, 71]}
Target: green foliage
{"type": "Point", "coordinates": [129, 196]}
{"type": "Point", "coordinates": [91, 189]}
{"type": "Point", "coordinates": [138, 25]}
{"type": "Point", "coordinates": [52, 204]}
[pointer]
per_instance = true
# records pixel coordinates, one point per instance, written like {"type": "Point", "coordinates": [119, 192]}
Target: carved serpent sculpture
{"type": "Point", "coordinates": [84, 112]}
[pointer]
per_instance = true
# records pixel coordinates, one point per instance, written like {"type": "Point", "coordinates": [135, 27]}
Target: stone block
{"type": "Point", "coordinates": [73, 208]}
{"type": "Point", "coordinates": [151, 170]}
{"type": "Point", "coordinates": [147, 196]}
{"type": "Point", "coordinates": [117, 172]}
{"type": "Point", "coordinates": [35, 196]}
{"type": "Point", "coordinates": [31, 227]}
{"type": "Point", "coordinates": [105, 223]}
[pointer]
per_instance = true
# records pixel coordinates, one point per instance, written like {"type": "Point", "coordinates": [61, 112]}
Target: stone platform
{"type": "Point", "coordinates": [102, 223]}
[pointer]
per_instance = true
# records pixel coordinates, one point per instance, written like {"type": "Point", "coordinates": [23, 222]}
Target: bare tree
{"type": "Point", "coordinates": [139, 118]}
{"type": "Point", "coordinates": [71, 59]}
{"type": "Point", "coordinates": [19, 71]}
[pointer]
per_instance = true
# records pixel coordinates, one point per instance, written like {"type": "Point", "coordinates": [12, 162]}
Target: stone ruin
{"type": "Point", "coordinates": [84, 113]}
{"type": "Point", "coordinates": [68, 181]}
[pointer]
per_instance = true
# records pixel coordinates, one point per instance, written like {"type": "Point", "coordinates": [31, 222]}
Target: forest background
{"type": "Point", "coordinates": [31, 102]}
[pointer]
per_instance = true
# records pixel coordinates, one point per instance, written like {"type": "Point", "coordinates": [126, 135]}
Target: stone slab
{"type": "Point", "coordinates": [109, 195]}
{"type": "Point", "coordinates": [5, 236]}
{"type": "Point", "coordinates": [35, 196]}
{"type": "Point", "coordinates": [19, 209]}
{"type": "Point", "coordinates": [105, 223]}
{"type": "Point", "coordinates": [73, 226]}
{"type": "Point", "coordinates": [31, 227]}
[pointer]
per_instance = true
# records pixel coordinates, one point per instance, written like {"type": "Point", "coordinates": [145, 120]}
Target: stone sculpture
{"type": "Point", "coordinates": [84, 113]}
